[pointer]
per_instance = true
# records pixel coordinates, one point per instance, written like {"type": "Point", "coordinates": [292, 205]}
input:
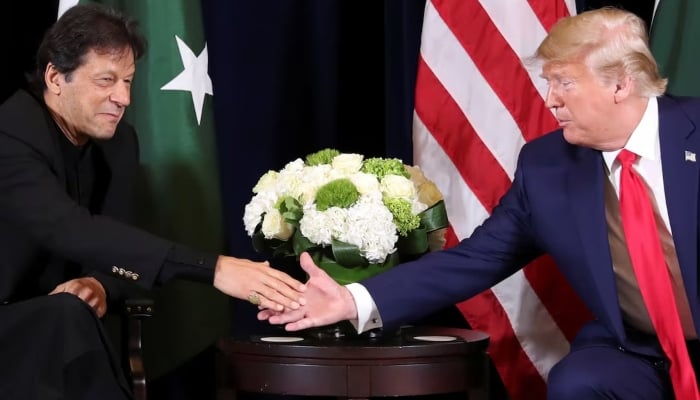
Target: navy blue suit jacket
{"type": "Point", "coordinates": [556, 206]}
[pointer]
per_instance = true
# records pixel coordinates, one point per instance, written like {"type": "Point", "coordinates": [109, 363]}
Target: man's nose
{"type": "Point", "coordinates": [121, 94]}
{"type": "Point", "coordinates": [553, 99]}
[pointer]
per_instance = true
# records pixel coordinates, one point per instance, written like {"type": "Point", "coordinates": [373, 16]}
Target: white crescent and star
{"type": "Point", "coordinates": [194, 78]}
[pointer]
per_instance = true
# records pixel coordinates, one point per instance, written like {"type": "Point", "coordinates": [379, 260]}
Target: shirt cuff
{"type": "Point", "coordinates": [182, 262]}
{"type": "Point", "coordinates": [367, 314]}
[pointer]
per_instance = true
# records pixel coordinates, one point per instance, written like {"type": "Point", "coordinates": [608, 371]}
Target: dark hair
{"type": "Point", "coordinates": [79, 30]}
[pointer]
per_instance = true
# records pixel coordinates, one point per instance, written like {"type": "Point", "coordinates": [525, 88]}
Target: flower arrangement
{"type": "Point", "coordinates": [356, 216]}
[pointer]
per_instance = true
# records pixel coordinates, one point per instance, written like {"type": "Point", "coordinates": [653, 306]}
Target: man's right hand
{"type": "Point", "coordinates": [270, 287]}
{"type": "Point", "coordinates": [327, 302]}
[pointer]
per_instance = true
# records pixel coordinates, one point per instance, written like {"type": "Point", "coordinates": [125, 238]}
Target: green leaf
{"type": "Point", "coordinates": [434, 218]}
{"type": "Point", "coordinates": [347, 254]}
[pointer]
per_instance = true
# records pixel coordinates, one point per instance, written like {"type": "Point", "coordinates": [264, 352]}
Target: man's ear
{"type": "Point", "coordinates": [53, 79]}
{"type": "Point", "coordinates": [624, 88]}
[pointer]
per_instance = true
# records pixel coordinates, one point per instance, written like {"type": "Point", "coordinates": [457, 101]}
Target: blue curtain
{"type": "Point", "coordinates": [293, 77]}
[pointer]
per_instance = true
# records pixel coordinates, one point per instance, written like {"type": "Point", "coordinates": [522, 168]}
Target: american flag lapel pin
{"type": "Point", "coordinates": [689, 156]}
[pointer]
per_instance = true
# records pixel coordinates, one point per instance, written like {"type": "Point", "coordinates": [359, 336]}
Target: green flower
{"type": "Point", "coordinates": [385, 166]}
{"type": "Point", "coordinates": [337, 193]}
{"type": "Point", "coordinates": [404, 219]}
{"type": "Point", "coordinates": [321, 157]}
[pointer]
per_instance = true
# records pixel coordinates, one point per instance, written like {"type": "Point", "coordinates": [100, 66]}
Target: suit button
{"type": "Point", "coordinates": [135, 277]}
{"type": "Point", "coordinates": [115, 269]}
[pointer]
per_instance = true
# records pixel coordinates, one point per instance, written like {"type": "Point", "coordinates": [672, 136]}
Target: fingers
{"type": "Point", "coordinates": [302, 324]}
{"type": "Point", "coordinates": [283, 289]}
{"type": "Point", "coordinates": [295, 320]}
{"type": "Point", "coordinates": [265, 314]}
{"type": "Point", "coordinates": [286, 317]}
{"type": "Point", "coordinates": [292, 285]}
{"type": "Point", "coordinates": [240, 277]}
{"type": "Point", "coordinates": [260, 300]}
{"type": "Point", "coordinates": [88, 290]}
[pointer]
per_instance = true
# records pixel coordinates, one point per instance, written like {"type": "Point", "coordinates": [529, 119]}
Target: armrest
{"type": "Point", "coordinates": [135, 311]}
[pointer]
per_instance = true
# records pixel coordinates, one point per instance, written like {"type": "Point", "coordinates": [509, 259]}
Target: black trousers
{"type": "Point", "coordinates": [55, 347]}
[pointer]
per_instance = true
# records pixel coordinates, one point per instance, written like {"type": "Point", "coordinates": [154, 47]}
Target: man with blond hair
{"type": "Point", "coordinates": [625, 154]}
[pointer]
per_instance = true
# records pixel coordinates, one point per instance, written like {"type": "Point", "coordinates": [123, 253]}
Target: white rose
{"type": "Point", "coordinates": [347, 163]}
{"type": "Point", "coordinates": [266, 182]}
{"type": "Point", "coordinates": [275, 227]}
{"type": "Point", "coordinates": [365, 183]}
{"type": "Point", "coordinates": [397, 186]}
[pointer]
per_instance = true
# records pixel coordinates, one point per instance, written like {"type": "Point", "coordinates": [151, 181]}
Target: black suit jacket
{"type": "Point", "coordinates": [41, 227]}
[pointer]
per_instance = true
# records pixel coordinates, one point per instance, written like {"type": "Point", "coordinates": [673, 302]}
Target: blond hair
{"type": "Point", "coordinates": [613, 42]}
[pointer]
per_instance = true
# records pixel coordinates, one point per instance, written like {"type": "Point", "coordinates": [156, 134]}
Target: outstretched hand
{"type": "Point", "coordinates": [258, 283]}
{"type": "Point", "coordinates": [327, 302]}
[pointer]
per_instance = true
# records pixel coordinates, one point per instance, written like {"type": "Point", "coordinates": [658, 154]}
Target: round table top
{"type": "Point", "coordinates": [407, 342]}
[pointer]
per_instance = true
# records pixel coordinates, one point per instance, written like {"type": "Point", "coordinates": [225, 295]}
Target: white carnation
{"type": "Point", "coordinates": [319, 226]}
{"type": "Point", "coordinates": [260, 204]}
{"type": "Point", "coordinates": [370, 226]}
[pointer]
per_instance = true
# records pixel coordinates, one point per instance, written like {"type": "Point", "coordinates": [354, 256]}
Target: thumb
{"type": "Point", "coordinates": [308, 265]}
{"type": "Point", "coordinates": [58, 289]}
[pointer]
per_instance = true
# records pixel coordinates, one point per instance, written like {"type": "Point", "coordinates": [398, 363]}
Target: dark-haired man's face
{"type": "Point", "coordinates": [90, 101]}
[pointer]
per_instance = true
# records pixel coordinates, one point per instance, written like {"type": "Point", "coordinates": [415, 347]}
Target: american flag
{"type": "Point", "coordinates": [476, 104]}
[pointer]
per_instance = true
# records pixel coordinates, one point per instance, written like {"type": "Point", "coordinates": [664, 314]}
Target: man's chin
{"type": "Point", "coordinates": [571, 137]}
{"type": "Point", "coordinates": [104, 135]}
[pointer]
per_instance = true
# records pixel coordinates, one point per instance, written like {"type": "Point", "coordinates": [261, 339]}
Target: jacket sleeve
{"type": "Point", "coordinates": [34, 201]}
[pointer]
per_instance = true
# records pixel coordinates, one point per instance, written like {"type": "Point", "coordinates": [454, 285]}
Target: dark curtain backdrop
{"type": "Point", "coordinates": [293, 77]}
{"type": "Point", "coordinates": [290, 77]}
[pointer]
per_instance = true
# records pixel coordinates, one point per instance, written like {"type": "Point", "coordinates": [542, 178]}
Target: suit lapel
{"type": "Point", "coordinates": [679, 146]}
{"type": "Point", "coordinates": [585, 189]}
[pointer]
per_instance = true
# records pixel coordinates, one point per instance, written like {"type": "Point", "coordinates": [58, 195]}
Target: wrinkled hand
{"type": "Point", "coordinates": [89, 290]}
{"type": "Point", "coordinates": [240, 278]}
{"type": "Point", "coordinates": [327, 302]}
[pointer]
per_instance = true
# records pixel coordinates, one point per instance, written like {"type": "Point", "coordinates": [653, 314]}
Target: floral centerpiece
{"type": "Point", "coordinates": [356, 216]}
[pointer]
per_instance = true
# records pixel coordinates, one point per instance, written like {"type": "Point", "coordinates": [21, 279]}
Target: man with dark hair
{"type": "Point", "coordinates": [67, 175]}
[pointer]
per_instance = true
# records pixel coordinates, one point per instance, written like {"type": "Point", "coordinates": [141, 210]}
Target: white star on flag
{"type": "Point", "coordinates": [194, 78]}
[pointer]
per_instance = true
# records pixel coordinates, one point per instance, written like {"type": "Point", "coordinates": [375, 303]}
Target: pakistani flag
{"type": "Point", "coordinates": [674, 41]}
{"type": "Point", "coordinates": [171, 110]}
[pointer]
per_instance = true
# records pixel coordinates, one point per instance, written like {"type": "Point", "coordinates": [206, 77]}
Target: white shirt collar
{"type": "Point", "coordinates": [644, 140]}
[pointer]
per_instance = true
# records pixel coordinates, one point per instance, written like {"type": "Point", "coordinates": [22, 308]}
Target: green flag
{"type": "Point", "coordinates": [674, 42]}
{"type": "Point", "coordinates": [179, 196]}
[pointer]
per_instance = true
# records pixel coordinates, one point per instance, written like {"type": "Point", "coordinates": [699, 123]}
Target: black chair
{"type": "Point", "coordinates": [134, 312]}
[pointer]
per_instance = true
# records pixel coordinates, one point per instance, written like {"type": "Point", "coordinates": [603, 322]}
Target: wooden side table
{"type": "Point", "coordinates": [417, 361]}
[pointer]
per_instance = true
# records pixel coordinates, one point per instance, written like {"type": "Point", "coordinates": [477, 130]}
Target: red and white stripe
{"type": "Point", "coordinates": [475, 107]}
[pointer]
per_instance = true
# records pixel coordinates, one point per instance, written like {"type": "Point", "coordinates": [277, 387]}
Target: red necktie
{"type": "Point", "coordinates": [653, 276]}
